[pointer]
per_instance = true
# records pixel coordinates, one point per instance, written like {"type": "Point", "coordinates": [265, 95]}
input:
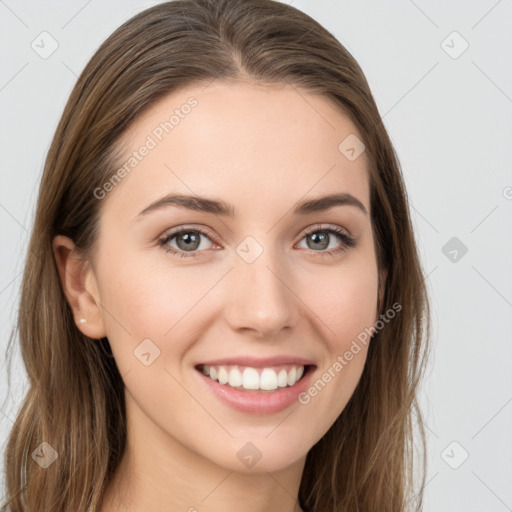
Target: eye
{"type": "Point", "coordinates": [188, 241]}
{"type": "Point", "coordinates": [189, 244]}
{"type": "Point", "coordinates": [320, 239]}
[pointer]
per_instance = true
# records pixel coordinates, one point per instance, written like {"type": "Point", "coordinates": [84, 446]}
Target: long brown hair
{"type": "Point", "coordinates": [75, 401]}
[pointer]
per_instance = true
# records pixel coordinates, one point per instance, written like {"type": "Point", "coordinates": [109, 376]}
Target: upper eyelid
{"type": "Point", "coordinates": [326, 227]}
{"type": "Point", "coordinates": [173, 232]}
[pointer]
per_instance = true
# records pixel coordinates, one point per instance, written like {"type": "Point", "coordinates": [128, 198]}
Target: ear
{"type": "Point", "coordinates": [80, 287]}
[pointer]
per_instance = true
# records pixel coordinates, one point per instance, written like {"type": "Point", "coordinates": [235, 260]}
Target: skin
{"type": "Point", "coordinates": [262, 149]}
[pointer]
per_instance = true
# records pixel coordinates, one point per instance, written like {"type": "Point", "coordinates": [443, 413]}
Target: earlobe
{"type": "Point", "coordinates": [80, 288]}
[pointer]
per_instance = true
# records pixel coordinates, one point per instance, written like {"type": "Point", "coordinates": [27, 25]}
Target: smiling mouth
{"type": "Point", "coordinates": [256, 380]}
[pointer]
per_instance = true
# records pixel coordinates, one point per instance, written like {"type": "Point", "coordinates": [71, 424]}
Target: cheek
{"type": "Point", "coordinates": [344, 299]}
{"type": "Point", "coordinates": [344, 305]}
{"type": "Point", "coordinates": [145, 294]}
{"type": "Point", "coordinates": [350, 306]}
{"type": "Point", "coordinates": [145, 300]}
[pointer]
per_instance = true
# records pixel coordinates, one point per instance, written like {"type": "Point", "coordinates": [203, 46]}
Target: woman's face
{"type": "Point", "coordinates": [252, 284]}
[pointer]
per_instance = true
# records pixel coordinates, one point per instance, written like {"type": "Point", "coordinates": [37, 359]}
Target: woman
{"type": "Point", "coordinates": [223, 305]}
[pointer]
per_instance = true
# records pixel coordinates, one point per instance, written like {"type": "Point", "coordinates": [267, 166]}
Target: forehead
{"type": "Point", "coordinates": [254, 145]}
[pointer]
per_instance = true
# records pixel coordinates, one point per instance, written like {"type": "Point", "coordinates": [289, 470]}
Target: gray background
{"type": "Point", "coordinates": [449, 115]}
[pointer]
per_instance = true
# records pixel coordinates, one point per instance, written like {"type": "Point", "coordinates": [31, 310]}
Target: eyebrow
{"type": "Point", "coordinates": [219, 207]}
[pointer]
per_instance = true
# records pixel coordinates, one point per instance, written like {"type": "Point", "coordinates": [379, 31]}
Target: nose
{"type": "Point", "coordinates": [261, 298]}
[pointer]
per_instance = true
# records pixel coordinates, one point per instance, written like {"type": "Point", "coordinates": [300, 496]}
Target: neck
{"type": "Point", "coordinates": [163, 474]}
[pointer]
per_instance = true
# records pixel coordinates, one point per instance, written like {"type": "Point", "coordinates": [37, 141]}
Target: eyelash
{"type": "Point", "coordinates": [347, 240]}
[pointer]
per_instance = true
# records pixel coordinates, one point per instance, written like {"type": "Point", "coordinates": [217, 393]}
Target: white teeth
{"type": "Point", "coordinates": [223, 375]}
{"type": "Point", "coordinates": [235, 378]}
{"type": "Point", "coordinates": [282, 379]}
{"type": "Point", "coordinates": [266, 379]}
{"type": "Point", "coordinates": [251, 379]}
{"type": "Point", "coordinates": [292, 376]}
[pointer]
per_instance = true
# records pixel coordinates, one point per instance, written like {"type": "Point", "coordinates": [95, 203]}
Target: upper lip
{"type": "Point", "coordinates": [258, 362]}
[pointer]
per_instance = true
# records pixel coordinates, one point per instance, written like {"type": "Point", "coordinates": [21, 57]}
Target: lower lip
{"type": "Point", "coordinates": [269, 402]}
